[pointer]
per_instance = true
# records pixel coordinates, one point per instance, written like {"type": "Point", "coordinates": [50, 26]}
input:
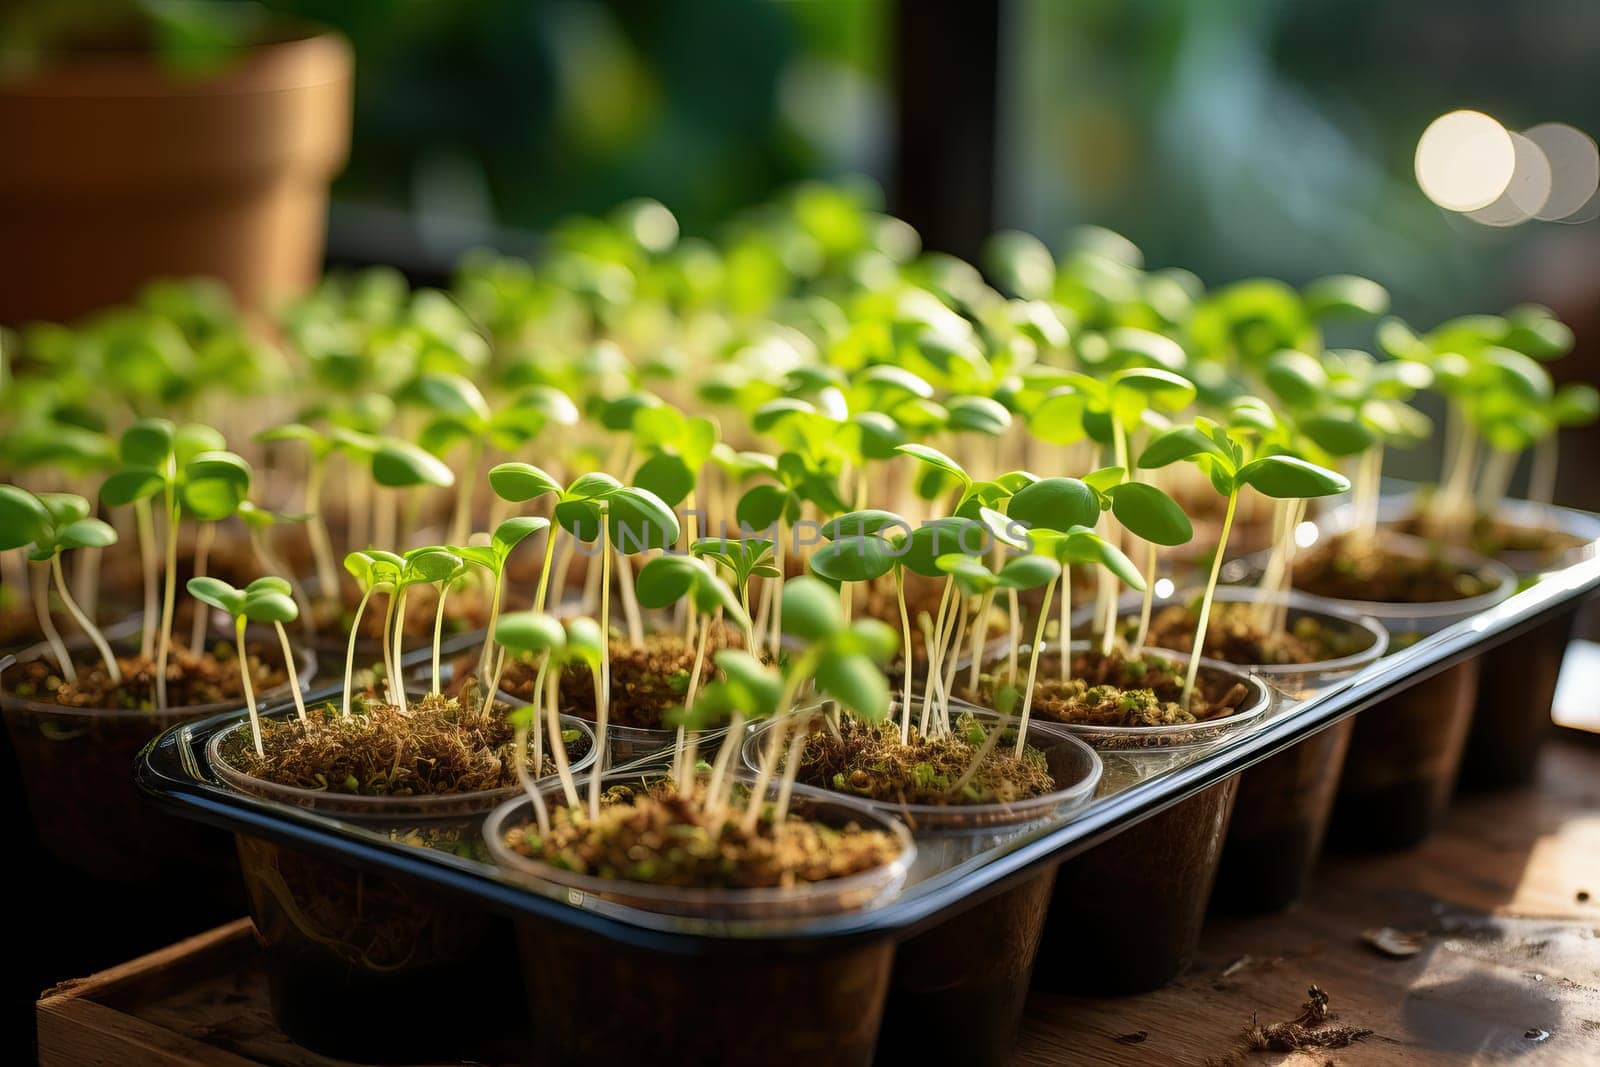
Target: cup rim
{"type": "Point", "coordinates": [306, 669]}
{"type": "Point", "coordinates": [330, 803]}
{"type": "Point", "coordinates": [690, 902]}
{"type": "Point", "coordinates": [1341, 610]}
{"type": "Point", "coordinates": [931, 818]}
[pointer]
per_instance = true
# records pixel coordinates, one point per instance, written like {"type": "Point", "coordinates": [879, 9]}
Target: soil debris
{"type": "Point", "coordinates": [1314, 1028]}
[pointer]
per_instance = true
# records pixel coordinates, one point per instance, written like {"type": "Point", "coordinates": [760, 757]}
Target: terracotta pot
{"type": "Point", "coordinates": [1402, 764]}
{"type": "Point", "coordinates": [1126, 915]}
{"type": "Point", "coordinates": [119, 171]}
{"type": "Point", "coordinates": [1516, 686]}
{"type": "Point", "coordinates": [1278, 824]}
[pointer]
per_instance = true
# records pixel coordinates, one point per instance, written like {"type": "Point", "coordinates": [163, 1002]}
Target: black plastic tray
{"type": "Point", "coordinates": [173, 770]}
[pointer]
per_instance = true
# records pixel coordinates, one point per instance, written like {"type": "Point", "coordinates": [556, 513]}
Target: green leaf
{"type": "Point", "coordinates": [147, 443]}
{"type": "Point", "coordinates": [269, 583]}
{"type": "Point", "coordinates": [269, 605]}
{"type": "Point", "coordinates": [761, 686]}
{"type": "Point", "coordinates": [667, 476]}
{"type": "Point", "coordinates": [64, 508]}
{"type": "Point", "coordinates": [856, 683]}
{"type": "Point", "coordinates": [359, 566]}
{"type": "Point", "coordinates": [862, 523]}
{"type": "Point", "coordinates": [1338, 436]}
{"type": "Point", "coordinates": [1298, 379]}
{"type": "Point", "coordinates": [811, 610]}
{"type": "Point", "coordinates": [1147, 512]}
{"type": "Point", "coordinates": [454, 395]}
{"type": "Point", "coordinates": [1058, 419]}
{"type": "Point", "coordinates": [971, 576]}
{"type": "Point", "coordinates": [585, 642]}
{"type": "Point", "coordinates": [402, 465]}
{"type": "Point", "coordinates": [1028, 572]}
{"type": "Point", "coordinates": [978, 414]}
{"type": "Point", "coordinates": [518, 482]}
{"type": "Point", "coordinates": [1055, 504]}
{"type": "Point", "coordinates": [1103, 479]}
{"type": "Point", "coordinates": [1575, 404]}
{"type": "Point", "coordinates": [665, 580]}
{"type": "Point", "coordinates": [193, 438]}
{"type": "Point", "coordinates": [932, 457]}
{"type": "Point", "coordinates": [853, 558]}
{"type": "Point", "coordinates": [762, 506]}
{"type": "Point", "coordinates": [217, 593]}
{"type": "Point", "coordinates": [215, 484]}
{"type": "Point", "coordinates": [131, 484]}
{"type": "Point", "coordinates": [1181, 443]}
{"type": "Point", "coordinates": [596, 485]}
{"type": "Point", "coordinates": [1345, 295]}
{"type": "Point", "coordinates": [431, 564]}
{"type": "Point", "coordinates": [526, 632]}
{"type": "Point", "coordinates": [940, 537]}
{"type": "Point", "coordinates": [86, 533]}
{"type": "Point", "coordinates": [1085, 546]}
{"type": "Point", "coordinates": [23, 519]}
{"type": "Point", "coordinates": [513, 531]}
{"type": "Point", "coordinates": [1291, 477]}
{"type": "Point", "coordinates": [640, 520]}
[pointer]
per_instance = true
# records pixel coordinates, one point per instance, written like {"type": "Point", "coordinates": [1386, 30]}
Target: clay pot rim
{"type": "Point", "coordinates": [302, 56]}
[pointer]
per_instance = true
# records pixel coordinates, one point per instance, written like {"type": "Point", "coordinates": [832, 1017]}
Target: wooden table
{"type": "Point", "coordinates": [1506, 898]}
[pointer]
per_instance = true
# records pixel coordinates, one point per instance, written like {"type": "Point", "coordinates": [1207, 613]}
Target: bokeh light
{"type": "Point", "coordinates": [1465, 160]}
{"type": "Point", "coordinates": [1574, 168]}
{"type": "Point", "coordinates": [1527, 192]}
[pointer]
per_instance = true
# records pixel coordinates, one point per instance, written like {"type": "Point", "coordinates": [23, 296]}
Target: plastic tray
{"type": "Point", "coordinates": [173, 769]}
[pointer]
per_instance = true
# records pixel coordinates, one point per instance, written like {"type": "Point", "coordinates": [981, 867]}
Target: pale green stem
{"type": "Point", "coordinates": [294, 675]}
{"type": "Point", "coordinates": [317, 533]}
{"type": "Point", "coordinates": [558, 747]}
{"type": "Point", "coordinates": [397, 687]}
{"type": "Point", "coordinates": [146, 526]}
{"type": "Point", "coordinates": [40, 587]}
{"type": "Point", "coordinates": [438, 633]}
{"type": "Point", "coordinates": [85, 623]}
{"type": "Point", "coordinates": [249, 691]}
{"type": "Point", "coordinates": [602, 698]}
{"type": "Point", "coordinates": [1033, 667]}
{"type": "Point", "coordinates": [350, 652]}
{"type": "Point", "coordinates": [1205, 602]}
{"type": "Point", "coordinates": [778, 736]}
{"type": "Point", "coordinates": [905, 653]}
{"type": "Point", "coordinates": [1149, 594]}
{"type": "Point", "coordinates": [202, 556]}
{"type": "Point", "coordinates": [169, 594]}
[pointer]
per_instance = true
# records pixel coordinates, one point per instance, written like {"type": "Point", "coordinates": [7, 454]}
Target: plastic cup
{"type": "Point", "coordinates": [377, 967]}
{"type": "Point", "coordinates": [748, 997]}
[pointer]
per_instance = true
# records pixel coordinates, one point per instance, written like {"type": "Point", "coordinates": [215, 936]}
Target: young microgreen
{"type": "Point", "coordinates": [48, 525]}
{"type": "Point", "coordinates": [265, 600]}
{"type": "Point", "coordinates": [1223, 455]}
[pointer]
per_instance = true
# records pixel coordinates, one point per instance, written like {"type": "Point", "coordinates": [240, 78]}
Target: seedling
{"type": "Point", "coordinates": [320, 448]}
{"type": "Point", "coordinates": [662, 583]}
{"type": "Point", "coordinates": [188, 467]}
{"type": "Point", "coordinates": [492, 558]}
{"type": "Point", "coordinates": [1224, 456]}
{"type": "Point", "coordinates": [48, 525]}
{"type": "Point", "coordinates": [840, 658]}
{"type": "Point", "coordinates": [375, 571]}
{"type": "Point", "coordinates": [538, 637]}
{"type": "Point", "coordinates": [265, 600]}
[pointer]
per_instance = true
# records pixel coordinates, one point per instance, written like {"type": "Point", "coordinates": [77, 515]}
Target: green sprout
{"type": "Point", "coordinates": [1224, 456]}
{"type": "Point", "coordinates": [265, 600]}
{"type": "Point", "coordinates": [48, 525]}
{"type": "Point", "coordinates": [190, 470]}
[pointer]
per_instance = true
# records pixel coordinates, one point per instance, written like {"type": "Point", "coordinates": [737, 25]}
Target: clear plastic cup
{"type": "Point", "coordinates": [1074, 765]}
{"type": "Point", "coordinates": [74, 765]}
{"type": "Point", "coordinates": [628, 746]}
{"type": "Point", "coordinates": [381, 947]}
{"type": "Point", "coordinates": [1406, 622]}
{"type": "Point", "coordinates": [1177, 735]}
{"type": "Point", "coordinates": [721, 906]}
{"type": "Point", "coordinates": [1299, 681]}
{"type": "Point", "coordinates": [749, 997]}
